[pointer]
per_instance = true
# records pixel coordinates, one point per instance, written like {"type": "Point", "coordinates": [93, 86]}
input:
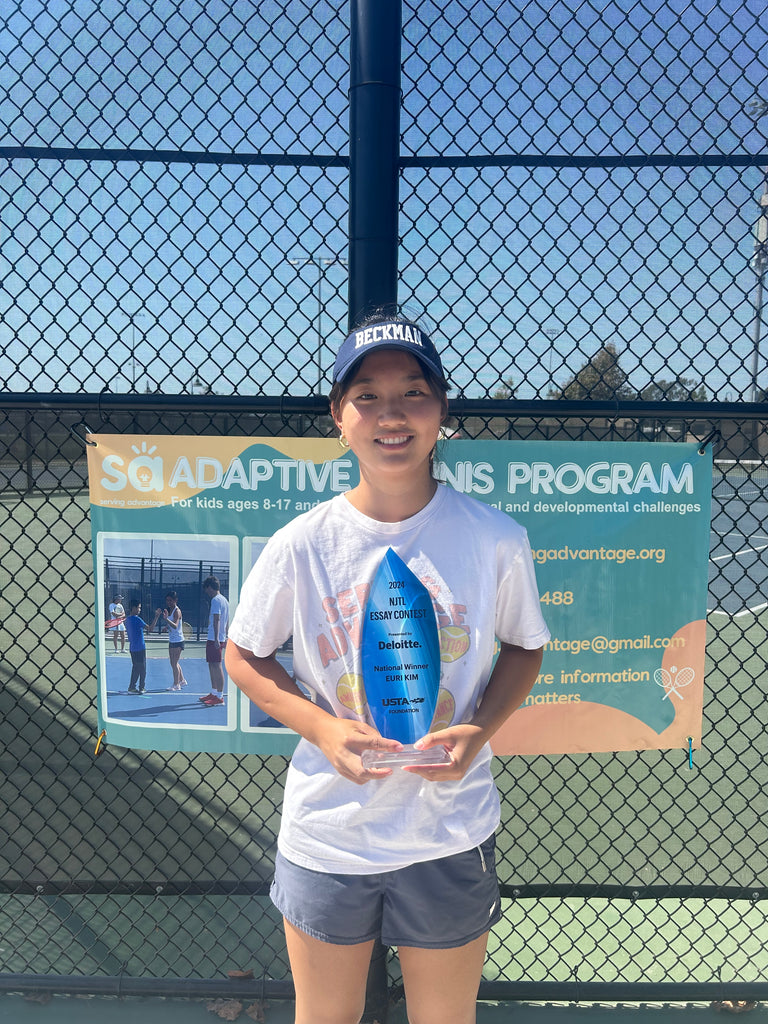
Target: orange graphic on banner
{"type": "Point", "coordinates": [587, 727]}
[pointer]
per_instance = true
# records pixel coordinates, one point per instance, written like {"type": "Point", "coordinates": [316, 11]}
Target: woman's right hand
{"type": "Point", "coordinates": [343, 741]}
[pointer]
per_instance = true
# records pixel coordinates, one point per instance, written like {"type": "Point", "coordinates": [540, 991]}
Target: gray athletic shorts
{"type": "Point", "coordinates": [437, 904]}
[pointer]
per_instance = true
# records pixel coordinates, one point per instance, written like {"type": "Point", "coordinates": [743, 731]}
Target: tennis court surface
{"type": "Point", "coordinates": [15, 1009]}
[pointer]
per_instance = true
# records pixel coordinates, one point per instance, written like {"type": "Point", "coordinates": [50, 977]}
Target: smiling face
{"type": "Point", "coordinates": [391, 418]}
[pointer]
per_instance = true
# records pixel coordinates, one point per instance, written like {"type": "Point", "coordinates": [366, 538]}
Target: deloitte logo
{"type": "Point", "coordinates": [144, 472]}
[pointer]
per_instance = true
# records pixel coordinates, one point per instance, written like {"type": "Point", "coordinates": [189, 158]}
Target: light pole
{"type": "Point", "coordinates": [134, 317]}
{"type": "Point", "coordinates": [321, 262]}
{"type": "Point", "coordinates": [759, 261]}
{"type": "Point", "coordinates": [757, 108]}
{"type": "Point", "coordinates": [551, 333]}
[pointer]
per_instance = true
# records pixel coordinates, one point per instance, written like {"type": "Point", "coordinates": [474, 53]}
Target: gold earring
{"type": "Point", "coordinates": [343, 441]}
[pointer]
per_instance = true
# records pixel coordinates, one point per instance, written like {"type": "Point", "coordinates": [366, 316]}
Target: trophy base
{"type": "Point", "coordinates": [405, 758]}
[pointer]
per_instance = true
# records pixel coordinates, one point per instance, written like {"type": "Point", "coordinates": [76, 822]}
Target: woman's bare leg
{"type": "Point", "coordinates": [441, 984]}
{"type": "Point", "coordinates": [330, 980]}
{"type": "Point", "coordinates": [174, 656]}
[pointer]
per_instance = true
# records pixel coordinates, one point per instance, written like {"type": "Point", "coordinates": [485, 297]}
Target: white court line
{"type": "Point", "coordinates": [739, 533]}
{"type": "Point", "coordinates": [738, 615]}
{"type": "Point", "coordinates": [751, 611]}
{"type": "Point", "coordinates": [735, 554]}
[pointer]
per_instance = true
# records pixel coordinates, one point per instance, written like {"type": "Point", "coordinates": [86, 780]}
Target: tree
{"type": "Point", "coordinates": [681, 389]}
{"type": "Point", "coordinates": [600, 378]}
{"type": "Point", "coordinates": [506, 389]}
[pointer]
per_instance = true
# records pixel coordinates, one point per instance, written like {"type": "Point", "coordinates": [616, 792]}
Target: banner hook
{"type": "Point", "coordinates": [81, 437]}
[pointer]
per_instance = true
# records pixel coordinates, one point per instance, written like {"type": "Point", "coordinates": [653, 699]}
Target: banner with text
{"type": "Point", "coordinates": [620, 538]}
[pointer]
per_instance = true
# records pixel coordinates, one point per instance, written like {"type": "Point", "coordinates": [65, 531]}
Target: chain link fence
{"type": "Point", "coordinates": [580, 215]}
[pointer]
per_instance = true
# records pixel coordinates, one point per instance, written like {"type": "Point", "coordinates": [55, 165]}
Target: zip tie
{"type": "Point", "coordinates": [714, 436]}
{"type": "Point", "coordinates": [101, 743]}
{"type": "Point", "coordinates": [690, 752]}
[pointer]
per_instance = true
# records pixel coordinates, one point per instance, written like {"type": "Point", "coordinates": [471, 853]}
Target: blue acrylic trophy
{"type": "Point", "coordinates": [400, 651]}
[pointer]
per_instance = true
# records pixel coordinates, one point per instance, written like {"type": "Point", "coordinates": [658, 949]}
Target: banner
{"type": "Point", "coordinates": [620, 538]}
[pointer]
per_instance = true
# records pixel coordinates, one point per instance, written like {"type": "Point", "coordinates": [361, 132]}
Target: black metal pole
{"type": "Point", "coordinates": [374, 142]}
{"type": "Point", "coordinates": [374, 150]}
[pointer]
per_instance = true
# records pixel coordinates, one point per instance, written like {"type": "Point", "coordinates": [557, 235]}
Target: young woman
{"type": "Point", "coordinates": [406, 855]}
{"type": "Point", "coordinates": [173, 620]}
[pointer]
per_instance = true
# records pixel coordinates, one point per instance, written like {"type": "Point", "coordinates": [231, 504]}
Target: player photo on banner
{"type": "Point", "coordinates": [619, 533]}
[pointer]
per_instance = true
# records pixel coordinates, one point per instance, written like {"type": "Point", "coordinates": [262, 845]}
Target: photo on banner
{"type": "Point", "coordinates": [619, 533]}
{"type": "Point", "coordinates": [142, 570]}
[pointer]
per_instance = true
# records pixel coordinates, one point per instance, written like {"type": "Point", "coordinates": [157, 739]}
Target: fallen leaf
{"type": "Point", "coordinates": [734, 1005]}
{"type": "Point", "coordinates": [226, 1009]}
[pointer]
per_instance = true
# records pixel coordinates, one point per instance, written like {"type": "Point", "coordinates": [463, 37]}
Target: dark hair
{"type": "Point", "coordinates": [212, 582]}
{"type": "Point", "coordinates": [439, 386]}
{"type": "Point", "coordinates": [173, 594]}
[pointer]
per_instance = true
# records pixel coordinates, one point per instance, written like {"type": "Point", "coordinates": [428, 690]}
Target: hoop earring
{"type": "Point", "coordinates": [343, 441]}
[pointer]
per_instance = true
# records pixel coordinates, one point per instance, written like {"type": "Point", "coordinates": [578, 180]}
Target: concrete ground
{"type": "Point", "coordinates": [18, 1009]}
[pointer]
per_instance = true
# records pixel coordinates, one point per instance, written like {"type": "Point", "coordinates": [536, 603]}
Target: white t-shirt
{"type": "Point", "coordinates": [311, 582]}
{"type": "Point", "coordinates": [115, 611]}
{"type": "Point", "coordinates": [220, 607]}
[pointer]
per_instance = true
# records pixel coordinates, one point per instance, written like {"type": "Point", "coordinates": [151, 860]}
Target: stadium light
{"type": "Point", "coordinates": [322, 263]}
{"type": "Point", "coordinates": [138, 315]}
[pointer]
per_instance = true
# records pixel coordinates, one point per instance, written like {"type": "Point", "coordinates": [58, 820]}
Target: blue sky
{"type": "Point", "coordinates": [117, 273]}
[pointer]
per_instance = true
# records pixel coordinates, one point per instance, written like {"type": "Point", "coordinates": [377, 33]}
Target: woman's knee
{"type": "Point", "coordinates": [327, 1010]}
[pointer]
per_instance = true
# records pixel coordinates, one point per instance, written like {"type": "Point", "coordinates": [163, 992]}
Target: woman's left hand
{"type": "Point", "coordinates": [463, 743]}
{"type": "Point", "coordinates": [511, 681]}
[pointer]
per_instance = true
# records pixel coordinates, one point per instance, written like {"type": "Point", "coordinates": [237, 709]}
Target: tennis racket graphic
{"type": "Point", "coordinates": [674, 679]}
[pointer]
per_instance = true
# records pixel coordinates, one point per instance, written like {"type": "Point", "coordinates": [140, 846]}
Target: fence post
{"type": "Point", "coordinates": [374, 141]}
{"type": "Point", "coordinates": [374, 149]}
